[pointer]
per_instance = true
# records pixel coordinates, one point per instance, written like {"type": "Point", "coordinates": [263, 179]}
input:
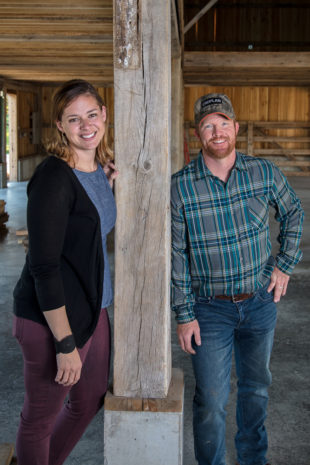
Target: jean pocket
{"type": "Point", "coordinates": [265, 296]}
{"type": "Point", "coordinates": [18, 328]}
{"type": "Point", "coordinates": [202, 304]}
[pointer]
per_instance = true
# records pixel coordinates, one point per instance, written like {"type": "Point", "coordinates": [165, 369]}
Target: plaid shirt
{"type": "Point", "coordinates": [220, 231]}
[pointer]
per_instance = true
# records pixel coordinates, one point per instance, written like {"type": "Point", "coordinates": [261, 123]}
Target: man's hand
{"type": "Point", "coordinates": [278, 282]}
{"type": "Point", "coordinates": [185, 334]}
{"type": "Point", "coordinates": [68, 368]}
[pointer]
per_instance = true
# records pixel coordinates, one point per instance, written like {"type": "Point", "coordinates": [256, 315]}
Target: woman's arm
{"type": "Point", "coordinates": [68, 365]}
{"type": "Point", "coordinates": [50, 198]}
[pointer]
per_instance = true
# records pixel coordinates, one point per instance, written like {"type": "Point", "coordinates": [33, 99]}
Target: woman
{"type": "Point", "coordinates": [60, 301]}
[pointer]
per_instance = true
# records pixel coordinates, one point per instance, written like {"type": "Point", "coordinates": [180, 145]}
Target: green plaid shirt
{"type": "Point", "coordinates": [220, 231]}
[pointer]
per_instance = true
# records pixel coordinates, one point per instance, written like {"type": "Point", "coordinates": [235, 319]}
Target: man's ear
{"type": "Point", "coordinates": [197, 134]}
{"type": "Point", "coordinates": [236, 127]}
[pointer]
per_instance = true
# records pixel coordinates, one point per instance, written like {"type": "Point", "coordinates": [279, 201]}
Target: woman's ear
{"type": "Point", "coordinates": [59, 126]}
{"type": "Point", "coordinates": [104, 113]}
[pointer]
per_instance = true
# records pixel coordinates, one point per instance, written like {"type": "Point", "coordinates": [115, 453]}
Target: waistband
{"type": "Point", "coordinates": [235, 298]}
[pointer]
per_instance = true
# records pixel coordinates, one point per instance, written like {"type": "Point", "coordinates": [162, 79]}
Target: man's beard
{"type": "Point", "coordinates": [217, 153]}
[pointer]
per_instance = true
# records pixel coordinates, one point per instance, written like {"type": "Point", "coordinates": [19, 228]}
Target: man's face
{"type": "Point", "coordinates": [218, 136]}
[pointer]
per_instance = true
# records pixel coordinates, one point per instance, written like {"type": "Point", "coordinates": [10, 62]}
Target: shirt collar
{"type": "Point", "coordinates": [203, 171]}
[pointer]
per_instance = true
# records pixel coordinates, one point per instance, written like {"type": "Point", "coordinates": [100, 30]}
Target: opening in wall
{"type": "Point", "coordinates": [11, 136]}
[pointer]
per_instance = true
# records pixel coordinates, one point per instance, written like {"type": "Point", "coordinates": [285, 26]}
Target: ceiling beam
{"type": "Point", "coordinates": [247, 68]}
{"type": "Point", "coordinates": [199, 15]}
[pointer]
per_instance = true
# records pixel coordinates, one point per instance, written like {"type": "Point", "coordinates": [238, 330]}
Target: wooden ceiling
{"type": "Point", "coordinates": [54, 40]}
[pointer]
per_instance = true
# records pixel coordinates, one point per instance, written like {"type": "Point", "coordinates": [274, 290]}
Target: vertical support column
{"type": "Point", "coordinates": [3, 176]}
{"type": "Point", "coordinates": [12, 110]}
{"type": "Point", "coordinates": [177, 99]}
{"type": "Point", "coordinates": [250, 138]}
{"type": "Point", "coordinates": [143, 421]}
{"type": "Point", "coordinates": [142, 74]}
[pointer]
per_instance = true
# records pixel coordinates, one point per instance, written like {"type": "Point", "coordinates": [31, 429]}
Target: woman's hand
{"type": "Point", "coordinates": [111, 172]}
{"type": "Point", "coordinates": [69, 368]}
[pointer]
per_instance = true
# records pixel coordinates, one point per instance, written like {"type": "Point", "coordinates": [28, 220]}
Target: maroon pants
{"type": "Point", "coordinates": [50, 428]}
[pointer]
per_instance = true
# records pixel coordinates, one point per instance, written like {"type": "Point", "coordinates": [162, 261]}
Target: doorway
{"type": "Point", "coordinates": [11, 136]}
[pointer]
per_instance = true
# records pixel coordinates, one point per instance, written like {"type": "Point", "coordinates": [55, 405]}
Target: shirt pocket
{"type": "Point", "coordinates": [258, 210]}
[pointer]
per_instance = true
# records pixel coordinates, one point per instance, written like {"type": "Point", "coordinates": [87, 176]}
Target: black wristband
{"type": "Point", "coordinates": [66, 345]}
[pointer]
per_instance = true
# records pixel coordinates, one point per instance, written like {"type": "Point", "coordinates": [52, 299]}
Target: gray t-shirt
{"type": "Point", "coordinates": [100, 193]}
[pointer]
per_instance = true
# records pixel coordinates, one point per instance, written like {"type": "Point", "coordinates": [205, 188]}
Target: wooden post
{"type": "Point", "coordinates": [177, 100]}
{"type": "Point", "coordinates": [250, 138]}
{"type": "Point", "coordinates": [3, 175]}
{"type": "Point", "coordinates": [12, 110]}
{"type": "Point", "coordinates": [142, 73]}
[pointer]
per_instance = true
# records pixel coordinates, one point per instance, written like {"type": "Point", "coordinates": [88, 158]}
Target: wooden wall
{"type": "Point", "coordinates": [285, 137]}
{"type": "Point", "coordinates": [27, 105]}
{"type": "Point", "coordinates": [257, 103]}
{"type": "Point", "coordinates": [264, 25]}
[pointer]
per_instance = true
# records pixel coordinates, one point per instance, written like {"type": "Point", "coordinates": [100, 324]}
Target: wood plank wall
{"type": "Point", "coordinates": [267, 25]}
{"type": "Point", "coordinates": [27, 104]}
{"type": "Point", "coordinates": [257, 103]}
{"type": "Point", "coordinates": [276, 104]}
{"type": "Point", "coordinates": [264, 104]}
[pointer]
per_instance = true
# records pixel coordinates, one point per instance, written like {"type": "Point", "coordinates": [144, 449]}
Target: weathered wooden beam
{"type": "Point", "coordinates": [175, 30]}
{"type": "Point", "coordinates": [250, 139]}
{"type": "Point", "coordinates": [267, 124]}
{"type": "Point", "coordinates": [31, 11]}
{"type": "Point", "coordinates": [73, 28]}
{"type": "Point", "coordinates": [177, 99]}
{"type": "Point", "coordinates": [55, 3]}
{"type": "Point", "coordinates": [3, 174]}
{"type": "Point", "coordinates": [247, 68]}
{"type": "Point", "coordinates": [171, 404]}
{"type": "Point", "coordinates": [287, 152]}
{"type": "Point", "coordinates": [52, 48]}
{"type": "Point", "coordinates": [235, 60]}
{"type": "Point", "coordinates": [99, 76]}
{"type": "Point", "coordinates": [142, 51]}
{"type": "Point", "coordinates": [199, 15]}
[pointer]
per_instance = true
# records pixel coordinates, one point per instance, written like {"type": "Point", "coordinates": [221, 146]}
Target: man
{"type": "Point", "coordinates": [225, 283]}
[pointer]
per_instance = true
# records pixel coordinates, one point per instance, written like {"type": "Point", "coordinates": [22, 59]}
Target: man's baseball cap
{"type": "Point", "coordinates": [213, 103]}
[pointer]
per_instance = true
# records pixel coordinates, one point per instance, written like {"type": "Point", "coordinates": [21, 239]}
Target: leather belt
{"type": "Point", "coordinates": [234, 298]}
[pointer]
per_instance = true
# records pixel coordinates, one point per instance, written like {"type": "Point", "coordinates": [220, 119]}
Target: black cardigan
{"type": "Point", "coordinates": [64, 264]}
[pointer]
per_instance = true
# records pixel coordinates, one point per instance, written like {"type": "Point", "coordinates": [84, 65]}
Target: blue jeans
{"type": "Point", "coordinates": [247, 326]}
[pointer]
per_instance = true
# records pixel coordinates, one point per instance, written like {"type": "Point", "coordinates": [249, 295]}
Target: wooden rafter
{"type": "Point", "coordinates": [199, 15]}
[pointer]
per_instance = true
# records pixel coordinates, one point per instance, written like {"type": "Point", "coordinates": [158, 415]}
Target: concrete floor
{"type": "Point", "coordinates": [288, 418]}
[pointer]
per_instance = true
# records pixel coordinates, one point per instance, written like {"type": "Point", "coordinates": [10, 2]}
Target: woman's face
{"type": "Point", "coordinates": [83, 123]}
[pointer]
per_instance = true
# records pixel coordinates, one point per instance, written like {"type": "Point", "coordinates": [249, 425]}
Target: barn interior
{"type": "Point", "coordinates": [255, 51]}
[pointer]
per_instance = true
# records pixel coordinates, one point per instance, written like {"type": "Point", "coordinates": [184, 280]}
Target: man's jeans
{"type": "Point", "coordinates": [249, 327]}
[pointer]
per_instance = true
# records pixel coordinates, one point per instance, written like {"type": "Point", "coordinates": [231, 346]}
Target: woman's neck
{"type": "Point", "coordinates": [85, 162]}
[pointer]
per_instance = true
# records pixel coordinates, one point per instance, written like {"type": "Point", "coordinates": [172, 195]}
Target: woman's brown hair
{"type": "Point", "coordinates": [58, 145]}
